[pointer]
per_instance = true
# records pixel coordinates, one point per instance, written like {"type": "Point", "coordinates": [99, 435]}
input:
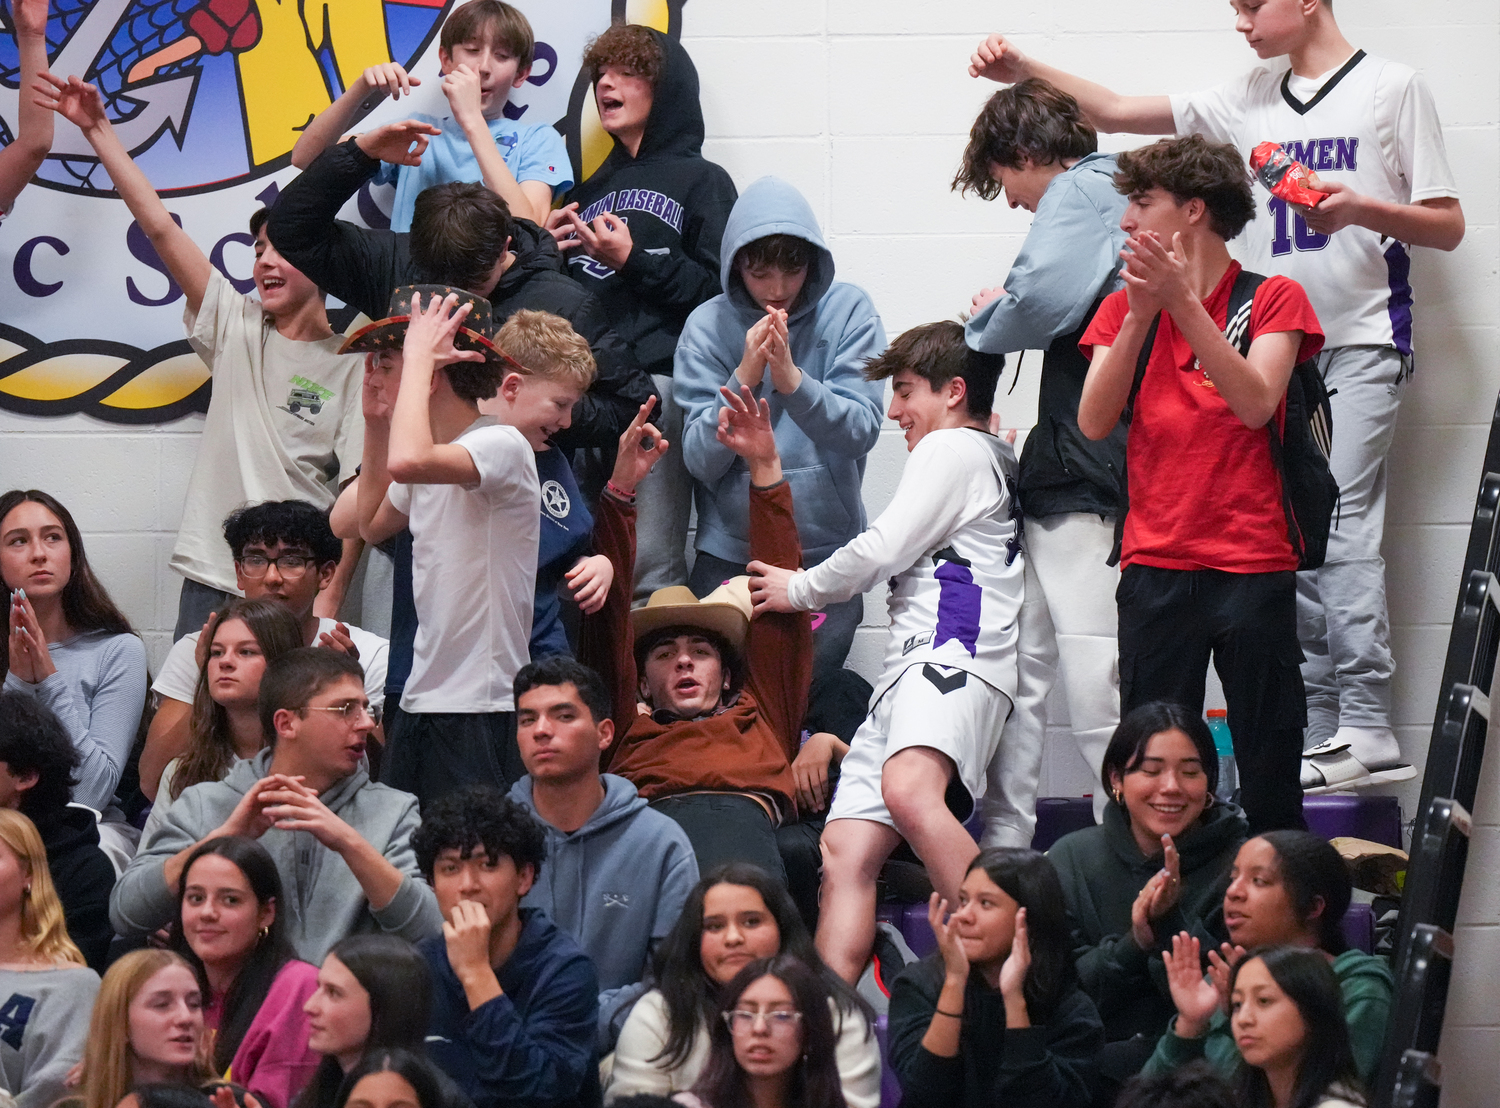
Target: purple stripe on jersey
{"type": "Point", "coordinates": [958, 607]}
{"type": "Point", "coordinates": [1398, 273]}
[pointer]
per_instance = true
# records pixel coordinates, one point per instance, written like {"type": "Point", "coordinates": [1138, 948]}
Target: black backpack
{"type": "Point", "coordinates": [1309, 493]}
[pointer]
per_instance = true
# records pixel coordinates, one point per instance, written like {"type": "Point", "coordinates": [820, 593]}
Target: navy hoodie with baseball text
{"type": "Point", "coordinates": [675, 203]}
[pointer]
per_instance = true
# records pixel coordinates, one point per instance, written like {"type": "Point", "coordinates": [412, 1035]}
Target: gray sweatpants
{"type": "Point", "coordinates": [1341, 610]}
{"type": "Point", "coordinates": [663, 504]}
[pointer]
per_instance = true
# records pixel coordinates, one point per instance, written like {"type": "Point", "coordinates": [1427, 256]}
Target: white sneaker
{"type": "Point", "coordinates": [1355, 758]}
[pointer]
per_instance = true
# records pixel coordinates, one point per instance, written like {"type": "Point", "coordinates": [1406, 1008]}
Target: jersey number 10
{"type": "Point", "coordinates": [1301, 236]}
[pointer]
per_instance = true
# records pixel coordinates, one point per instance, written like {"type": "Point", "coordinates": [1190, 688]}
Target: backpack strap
{"type": "Point", "coordinates": [1141, 361]}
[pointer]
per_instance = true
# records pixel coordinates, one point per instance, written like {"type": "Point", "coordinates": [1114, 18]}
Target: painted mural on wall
{"type": "Point", "coordinates": [209, 97]}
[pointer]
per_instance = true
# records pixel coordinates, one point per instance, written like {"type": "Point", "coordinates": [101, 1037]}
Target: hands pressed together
{"type": "Point", "coordinates": [30, 659]}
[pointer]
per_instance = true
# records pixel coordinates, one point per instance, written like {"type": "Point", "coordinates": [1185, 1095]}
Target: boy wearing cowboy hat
{"type": "Point", "coordinates": [708, 703]}
{"type": "Point", "coordinates": [467, 488]}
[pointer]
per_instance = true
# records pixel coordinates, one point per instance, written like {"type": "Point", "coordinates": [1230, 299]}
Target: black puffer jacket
{"type": "Point", "coordinates": [362, 266]}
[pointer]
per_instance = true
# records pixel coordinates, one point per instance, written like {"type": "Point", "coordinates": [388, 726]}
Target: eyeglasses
{"type": "Point", "coordinates": [351, 710]}
{"type": "Point", "coordinates": [780, 1022]}
{"type": "Point", "coordinates": [290, 566]}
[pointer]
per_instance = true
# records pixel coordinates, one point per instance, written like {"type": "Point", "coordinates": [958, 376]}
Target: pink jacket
{"type": "Point", "coordinates": [273, 1060]}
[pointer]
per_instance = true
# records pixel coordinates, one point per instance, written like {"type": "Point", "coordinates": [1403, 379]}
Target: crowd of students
{"type": "Point", "coordinates": [594, 825]}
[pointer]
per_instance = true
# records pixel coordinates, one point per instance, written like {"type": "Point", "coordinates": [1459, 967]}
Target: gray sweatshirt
{"type": "Point", "coordinates": [324, 902]}
{"type": "Point", "coordinates": [44, 1027]}
{"type": "Point", "coordinates": [617, 884]}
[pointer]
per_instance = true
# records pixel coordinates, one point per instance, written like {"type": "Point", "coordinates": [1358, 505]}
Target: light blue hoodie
{"type": "Point", "coordinates": [824, 429]}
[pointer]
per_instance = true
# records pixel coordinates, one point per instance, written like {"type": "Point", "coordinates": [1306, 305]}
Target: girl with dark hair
{"type": "Point", "coordinates": [243, 639]}
{"type": "Point", "coordinates": [996, 1016]}
{"type": "Point", "coordinates": [1288, 1020]}
{"type": "Point", "coordinates": [67, 644]}
{"type": "Point", "coordinates": [1154, 867]}
{"type": "Point", "coordinates": [229, 929]}
{"type": "Point", "coordinates": [773, 1043]}
{"type": "Point", "coordinates": [392, 1078]}
{"type": "Point", "coordinates": [1286, 888]}
{"type": "Point", "coordinates": [735, 915]}
{"type": "Point", "coordinates": [374, 993]}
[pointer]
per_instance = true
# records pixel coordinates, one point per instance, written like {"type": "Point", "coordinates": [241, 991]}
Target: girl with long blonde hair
{"type": "Point", "coordinates": [49, 987]}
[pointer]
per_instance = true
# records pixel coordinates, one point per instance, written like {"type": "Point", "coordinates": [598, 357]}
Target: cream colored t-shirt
{"type": "Point", "coordinates": [284, 423]}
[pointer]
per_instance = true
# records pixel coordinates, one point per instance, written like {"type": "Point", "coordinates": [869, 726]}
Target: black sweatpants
{"type": "Point", "coordinates": [1172, 621]}
{"type": "Point", "coordinates": [431, 754]}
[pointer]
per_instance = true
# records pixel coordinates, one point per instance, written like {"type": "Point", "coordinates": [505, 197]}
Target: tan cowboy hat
{"type": "Point", "coordinates": [725, 611]}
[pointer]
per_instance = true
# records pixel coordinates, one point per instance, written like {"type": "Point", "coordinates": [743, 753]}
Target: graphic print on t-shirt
{"type": "Point", "coordinates": [14, 1014]}
{"type": "Point", "coordinates": [306, 396]}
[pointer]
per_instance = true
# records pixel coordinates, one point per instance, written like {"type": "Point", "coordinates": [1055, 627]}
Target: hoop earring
{"type": "Point", "coordinates": [1119, 798]}
{"type": "Point", "coordinates": [264, 933]}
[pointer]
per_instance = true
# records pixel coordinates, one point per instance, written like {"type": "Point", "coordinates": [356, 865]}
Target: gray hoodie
{"type": "Point", "coordinates": [44, 1027]}
{"type": "Point", "coordinates": [824, 429]}
{"type": "Point", "coordinates": [617, 884]}
{"type": "Point", "coordinates": [324, 902]}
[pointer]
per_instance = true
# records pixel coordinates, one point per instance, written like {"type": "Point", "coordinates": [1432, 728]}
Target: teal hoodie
{"type": "Point", "coordinates": [824, 429]}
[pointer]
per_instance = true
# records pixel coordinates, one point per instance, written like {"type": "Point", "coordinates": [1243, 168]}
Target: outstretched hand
{"type": "Point", "coordinates": [400, 143]}
{"type": "Point", "coordinates": [1195, 995]}
{"type": "Point", "coordinates": [433, 327]}
{"type": "Point", "coordinates": [1221, 963]}
{"type": "Point", "coordinates": [76, 101]}
{"type": "Point", "coordinates": [745, 427]}
{"type": "Point", "coordinates": [641, 447]}
{"type": "Point", "coordinates": [389, 79]}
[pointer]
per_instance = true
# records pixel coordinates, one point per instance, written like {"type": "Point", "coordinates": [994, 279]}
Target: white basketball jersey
{"type": "Point", "coordinates": [1370, 124]}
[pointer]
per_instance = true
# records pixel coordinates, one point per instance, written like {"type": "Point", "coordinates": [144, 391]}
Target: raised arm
{"type": "Point", "coordinates": [79, 104]}
{"type": "Point", "coordinates": [998, 59]}
{"type": "Point", "coordinates": [527, 199]}
{"type": "Point", "coordinates": [359, 100]}
{"type": "Point", "coordinates": [20, 160]}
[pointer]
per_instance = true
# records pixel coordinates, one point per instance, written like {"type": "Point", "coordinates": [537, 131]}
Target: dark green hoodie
{"type": "Point", "coordinates": [1102, 871]}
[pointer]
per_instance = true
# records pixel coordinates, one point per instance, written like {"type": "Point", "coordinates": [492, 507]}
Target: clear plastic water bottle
{"type": "Point", "coordinates": [1229, 774]}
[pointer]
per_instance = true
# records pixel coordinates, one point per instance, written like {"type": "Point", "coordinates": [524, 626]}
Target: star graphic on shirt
{"type": "Point", "coordinates": [555, 500]}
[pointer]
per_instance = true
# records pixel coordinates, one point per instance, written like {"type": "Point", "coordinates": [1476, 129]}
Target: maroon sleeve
{"type": "Point", "coordinates": [1105, 326]}
{"type": "Point", "coordinates": [778, 649]}
{"type": "Point", "coordinates": [1282, 305]}
{"type": "Point", "coordinates": [605, 642]}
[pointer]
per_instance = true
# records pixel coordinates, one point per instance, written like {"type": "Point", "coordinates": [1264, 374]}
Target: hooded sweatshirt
{"type": "Point", "coordinates": [1069, 261]}
{"type": "Point", "coordinates": [83, 876]}
{"type": "Point", "coordinates": [44, 1028]}
{"type": "Point", "coordinates": [675, 203]}
{"type": "Point", "coordinates": [1102, 871]}
{"type": "Point", "coordinates": [617, 884]}
{"type": "Point", "coordinates": [824, 429]}
{"type": "Point", "coordinates": [362, 266]}
{"type": "Point", "coordinates": [324, 901]}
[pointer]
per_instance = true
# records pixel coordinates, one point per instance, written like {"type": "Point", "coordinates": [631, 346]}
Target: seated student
{"type": "Point", "coordinates": [485, 49]}
{"type": "Point", "coordinates": [1288, 1021]}
{"type": "Point", "coordinates": [46, 991]}
{"type": "Point", "coordinates": [1032, 143]}
{"type": "Point", "coordinates": [393, 1078]}
{"type": "Point", "coordinates": [146, 1029]}
{"type": "Point", "coordinates": [67, 644]}
{"type": "Point", "coordinates": [735, 914]}
{"type": "Point", "coordinates": [1207, 565]}
{"type": "Point", "coordinates": [37, 768]}
{"type": "Point", "coordinates": [918, 763]}
{"type": "Point", "coordinates": [1287, 888]}
{"type": "Point", "coordinates": [725, 696]}
{"type": "Point", "coordinates": [243, 639]}
{"type": "Point", "coordinates": [1154, 867]}
{"type": "Point", "coordinates": [467, 489]}
{"type": "Point", "coordinates": [374, 994]}
{"type": "Point", "coordinates": [617, 873]}
{"type": "Point", "coordinates": [782, 321]}
{"type": "Point", "coordinates": [773, 1043]}
{"type": "Point", "coordinates": [1194, 1085]}
{"type": "Point", "coordinates": [996, 1016]}
{"type": "Point", "coordinates": [462, 235]}
{"type": "Point", "coordinates": [283, 550]}
{"type": "Point", "coordinates": [340, 840]}
{"type": "Point", "coordinates": [24, 155]}
{"type": "Point", "coordinates": [515, 1000]}
{"type": "Point", "coordinates": [283, 423]}
{"type": "Point", "coordinates": [650, 272]}
{"type": "Point", "coordinates": [231, 929]}
{"type": "Point", "coordinates": [549, 349]}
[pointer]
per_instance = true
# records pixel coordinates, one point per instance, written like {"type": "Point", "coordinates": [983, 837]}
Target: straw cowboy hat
{"type": "Point", "coordinates": [725, 611]}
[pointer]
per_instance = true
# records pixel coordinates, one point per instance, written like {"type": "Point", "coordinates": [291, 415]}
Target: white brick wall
{"type": "Point", "coordinates": [864, 105]}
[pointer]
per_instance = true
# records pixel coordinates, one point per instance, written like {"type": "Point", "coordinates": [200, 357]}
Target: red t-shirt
{"type": "Point", "coordinates": [1204, 493]}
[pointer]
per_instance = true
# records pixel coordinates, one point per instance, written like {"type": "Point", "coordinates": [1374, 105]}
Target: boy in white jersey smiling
{"type": "Point", "coordinates": [1369, 130]}
{"type": "Point", "coordinates": [950, 544]}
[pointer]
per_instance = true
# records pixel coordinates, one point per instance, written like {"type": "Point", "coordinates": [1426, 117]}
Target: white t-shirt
{"type": "Point", "coordinates": [473, 575]}
{"type": "Point", "coordinates": [1371, 125]}
{"type": "Point", "coordinates": [284, 423]}
{"type": "Point", "coordinates": [178, 679]}
{"type": "Point", "coordinates": [950, 544]}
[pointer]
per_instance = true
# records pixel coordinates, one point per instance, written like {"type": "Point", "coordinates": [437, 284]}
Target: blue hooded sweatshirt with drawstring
{"type": "Point", "coordinates": [824, 429]}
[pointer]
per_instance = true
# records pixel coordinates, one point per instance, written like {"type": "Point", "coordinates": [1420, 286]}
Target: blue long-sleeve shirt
{"type": "Point", "coordinates": [532, 1046]}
